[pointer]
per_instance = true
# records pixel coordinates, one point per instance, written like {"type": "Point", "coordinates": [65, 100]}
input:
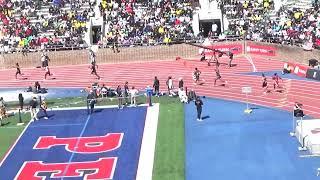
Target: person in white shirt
{"type": "Point", "coordinates": [133, 94]}
{"type": "Point", "coordinates": [183, 96]}
{"type": "Point", "coordinates": [170, 86]}
{"type": "Point", "coordinates": [214, 28]}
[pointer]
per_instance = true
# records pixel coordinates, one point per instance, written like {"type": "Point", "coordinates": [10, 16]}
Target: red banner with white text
{"type": "Point", "coordinates": [261, 49]}
{"type": "Point", "coordinates": [300, 70]}
{"type": "Point", "coordinates": [234, 48]}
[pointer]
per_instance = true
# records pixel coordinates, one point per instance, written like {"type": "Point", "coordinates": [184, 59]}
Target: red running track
{"type": "Point", "coordinates": [141, 74]}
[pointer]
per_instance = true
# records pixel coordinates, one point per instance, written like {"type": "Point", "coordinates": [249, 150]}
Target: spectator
{"type": "Point", "coordinates": [120, 97]}
{"type": "Point", "coordinates": [133, 95]}
{"type": "Point", "coordinates": [181, 83]}
{"type": "Point", "coordinates": [33, 109]}
{"type": "Point", "coordinates": [170, 86]}
{"type": "Point", "coordinates": [91, 101]}
{"type": "Point", "coordinates": [44, 107]}
{"type": "Point", "coordinates": [21, 99]}
{"type": "Point", "coordinates": [156, 85]}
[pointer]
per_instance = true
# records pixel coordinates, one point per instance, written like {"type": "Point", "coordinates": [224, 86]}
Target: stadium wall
{"type": "Point", "coordinates": [147, 53]}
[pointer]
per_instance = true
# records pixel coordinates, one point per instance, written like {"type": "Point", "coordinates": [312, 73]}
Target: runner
{"type": "Point", "coordinates": [276, 79]}
{"type": "Point", "coordinates": [230, 55]}
{"type": "Point", "coordinates": [218, 77]}
{"type": "Point", "coordinates": [47, 69]}
{"type": "Point", "coordinates": [214, 58]}
{"type": "Point", "coordinates": [264, 84]}
{"type": "Point", "coordinates": [18, 71]}
{"type": "Point", "coordinates": [196, 76]}
{"type": "Point", "coordinates": [94, 67]}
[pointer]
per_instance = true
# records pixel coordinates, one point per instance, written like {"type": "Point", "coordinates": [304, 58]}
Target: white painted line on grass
{"type": "Point", "coordinates": [148, 144]}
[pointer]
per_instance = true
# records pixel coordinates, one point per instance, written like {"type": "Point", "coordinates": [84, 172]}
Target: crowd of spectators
{"type": "Point", "coordinates": [147, 22]}
{"type": "Point", "coordinates": [24, 26]}
{"type": "Point", "coordinates": [253, 19]}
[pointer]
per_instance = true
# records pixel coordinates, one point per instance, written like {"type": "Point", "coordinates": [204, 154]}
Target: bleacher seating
{"type": "Point", "coordinates": [38, 24]}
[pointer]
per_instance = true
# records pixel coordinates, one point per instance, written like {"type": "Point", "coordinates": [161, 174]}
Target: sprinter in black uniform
{"type": "Point", "coordinates": [264, 84]}
{"type": "Point", "coordinates": [218, 76]}
{"type": "Point", "coordinates": [94, 67]}
{"type": "Point", "coordinates": [18, 71]}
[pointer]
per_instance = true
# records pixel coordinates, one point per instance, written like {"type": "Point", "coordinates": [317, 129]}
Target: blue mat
{"type": "Point", "coordinates": [11, 94]}
{"type": "Point", "coordinates": [76, 123]}
{"type": "Point", "coordinates": [231, 145]}
{"type": "Point", "coordinates": [286, 76]}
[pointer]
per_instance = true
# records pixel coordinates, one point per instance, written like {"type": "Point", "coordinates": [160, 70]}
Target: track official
{"type": "Point", "coordinates": [199, 104]}
{"type": "Point", "coordinates": [91, 101]}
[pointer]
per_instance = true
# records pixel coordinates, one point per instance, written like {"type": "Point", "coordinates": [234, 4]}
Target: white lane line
{"type": "Point", "coordinates": [148, 144]}
{"type": "Point", "coordinates": [251, 62]}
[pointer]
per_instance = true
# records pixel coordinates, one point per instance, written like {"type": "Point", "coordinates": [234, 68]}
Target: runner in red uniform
{"type": "Point", "coordinates": [47, 69]}
{"type": "Point", "coordinates": [276, 79]}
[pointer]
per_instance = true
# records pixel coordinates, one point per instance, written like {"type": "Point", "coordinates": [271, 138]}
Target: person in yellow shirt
{"type": "Point", "coordinates": [167, 39]}
{"type": "Point", "coordinates": [161, 30]}
{"type": "Point", "coordinates": [245, 5]}
{"type": "Point", "coordinates": [289, 23]}
{"type": "Point", "coordinates": [266, 5]}
{"type": "Point", "coordinates": [21, 43]}
{"type": "Point", "coordinates": [43, 108]}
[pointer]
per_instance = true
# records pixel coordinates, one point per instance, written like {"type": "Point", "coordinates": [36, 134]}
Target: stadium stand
{"type": "Point", "coordinates": [259, 21]}
{"type": "Point", "coordinates": [55, 24]}
{"type": "Point", "coordinates": [38, 24]}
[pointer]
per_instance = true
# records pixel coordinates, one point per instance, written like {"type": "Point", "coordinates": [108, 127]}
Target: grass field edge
{"type": "Point", "coordinates": [14, 144]}
{"type": "Point", "coordinates": [169, 160]}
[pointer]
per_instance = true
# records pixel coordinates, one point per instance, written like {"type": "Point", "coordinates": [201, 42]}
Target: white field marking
{"type": "Point", "coordinates": [309, 155]}
{"type": "Point", "coordinates": [12, 127]}
{"type": "Point", "coordinates": [251, 62]}
{"type": "Point", "coordinates": [15, 143]}
{"type": "Point", "coordinates": [55, 125]}
{"type": "Point", "coordinates": [85, 107]}
{"type": "Point", "coordinates": [148, 144]}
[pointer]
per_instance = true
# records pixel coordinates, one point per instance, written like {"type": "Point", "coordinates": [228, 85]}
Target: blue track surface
{"type": "Point", "coordinates": [230, 145]}
{"type": "Point", "coordinates": [287, 76]}
{"type": "Point", "coordinates": [75, 123]}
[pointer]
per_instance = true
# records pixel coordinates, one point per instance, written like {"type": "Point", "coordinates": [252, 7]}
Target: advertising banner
{"type": "Point", "coordinates": [234, 48]}
{"type": "Point", "coordinates": [261, 50]}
